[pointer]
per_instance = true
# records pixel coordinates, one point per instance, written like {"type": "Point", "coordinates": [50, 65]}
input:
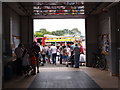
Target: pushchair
{"type": "Point", "coordinates": [71, 60]}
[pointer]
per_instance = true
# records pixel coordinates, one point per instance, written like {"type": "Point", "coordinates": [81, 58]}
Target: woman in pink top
{"type": "Point", "coordinates": [81, 49]}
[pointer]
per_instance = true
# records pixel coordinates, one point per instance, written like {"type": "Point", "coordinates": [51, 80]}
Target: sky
{"type": "Point", "coordinates": [59, 24]}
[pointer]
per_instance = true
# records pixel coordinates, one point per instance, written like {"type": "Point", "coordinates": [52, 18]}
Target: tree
{"type": "Point", "coordinates": [53, 33]}
{"type": "Point", "coordinates": [71, 33]}
{"type": "Point", "coordinates": [75, 31]}
{"type": "Point", "coordinates": [58, 32]}
{"type": "Point", "coordinates": [66, 31]}
{"type": "Point", "coordinates": [42, 32]}
{"type": "Point", "coordinates": [38, 34]}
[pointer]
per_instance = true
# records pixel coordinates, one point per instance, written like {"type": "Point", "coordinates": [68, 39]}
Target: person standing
{"type": "Point", "coordinates": [81, 49]}
{"type": "Point", "coordinates": [65, 55]}
{"type": "Point", "coordinates": [68, 51]}
{"type": "Point", "coordinates": [76, 56]}
{"type": "Point", "coordinates": [26, 62]}
{"type": "Point", "coordinates": [46, 58]}
{"type": "Point", "coordinates": [44, 54]}
{"type": "Point", "coordinates": [82, 56]}
{"type": "Point", "coordinates": [58, 53]}
{"type": "Point", "coordinates": [61, 53]}
{"type": "Point", "coordinates": [34, 62]}
{"type": "Point", "coordinates": [72, 46]}
{"type": "Point", "coordinates": [38, 55]}
{"type": "Point", "coordinates": [49, 54]}
{"type": "Point", "coordinates": [19, 53]}
{"type": "Point", "coordinates": [54, 53]}
{"type": "Point", "coordinates": [36, 50]}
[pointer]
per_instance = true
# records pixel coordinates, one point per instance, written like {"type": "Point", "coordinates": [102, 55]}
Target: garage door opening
{"type": "Point", "coordinates": [60, 32]}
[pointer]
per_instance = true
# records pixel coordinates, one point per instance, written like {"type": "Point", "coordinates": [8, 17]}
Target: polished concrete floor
{"type": "Point", "coordinates": [59, 76]}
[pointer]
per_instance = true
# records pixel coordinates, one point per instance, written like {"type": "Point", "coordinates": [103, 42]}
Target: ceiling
{"type": "Point", "coordinates": [58, 9]}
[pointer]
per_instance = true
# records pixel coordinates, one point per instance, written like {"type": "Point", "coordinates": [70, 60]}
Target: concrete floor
{"type": "Point", "coordinates": [102, 78]}
{"type": "Point", "coordinates": [63, 79]}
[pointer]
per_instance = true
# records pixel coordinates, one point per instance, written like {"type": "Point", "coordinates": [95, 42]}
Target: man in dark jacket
{"type": "Point", "coordinates": [76, 56]}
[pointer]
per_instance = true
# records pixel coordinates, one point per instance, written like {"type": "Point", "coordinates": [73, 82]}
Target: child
{"type": "Point", "coordinates": [34, 63]}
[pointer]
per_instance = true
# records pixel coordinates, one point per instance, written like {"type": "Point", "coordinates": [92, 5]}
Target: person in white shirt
{"type": "Point", "coordinates": [19, 52]}
{"type": "Point", "coordinates": [54, 53]}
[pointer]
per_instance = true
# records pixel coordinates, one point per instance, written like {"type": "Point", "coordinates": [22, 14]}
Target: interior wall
{"type": "Point", "coordinates": [15, 23]}
{"type": "Point", "coordinates": [118, 36]}
{"type": "Point", "coordinates": [91, 38]}
{"type": "Point", "coordinates": [0, 45]}
{"type": "Point", "coordinates": [105, 23]}
{"type": "Point", "coordinates": [109, 24]}
{"type": "Point", "coordinates": [114, 38]}
{"type": "Point", "coordinates": [26, 31]}
{"type": "Point", "coordinates": [11, 24]}
{"type": "Point", "coordinates": [15, 30]}
{"type": "Point", "coordinates": [31, 31]}
{"type": "Point", "coordinates": [105, 28]}
{"type": "Point", "coordinates": [6, 30]}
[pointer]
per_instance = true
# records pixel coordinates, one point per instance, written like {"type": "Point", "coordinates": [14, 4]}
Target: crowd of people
{"type": "Point", "coordinates": [28, 61]}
